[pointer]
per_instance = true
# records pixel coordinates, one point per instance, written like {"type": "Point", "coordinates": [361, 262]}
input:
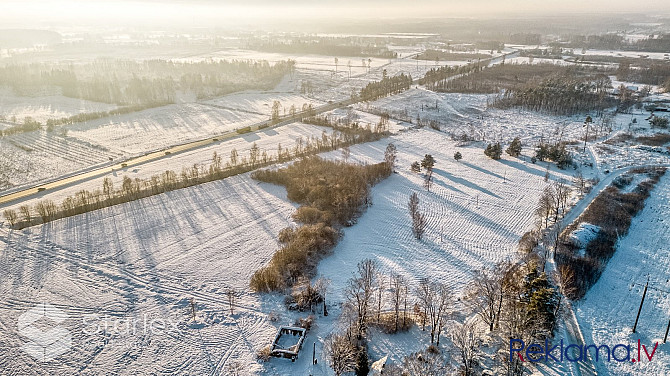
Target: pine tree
{"type": "Point", "coordinates": [514, 148]}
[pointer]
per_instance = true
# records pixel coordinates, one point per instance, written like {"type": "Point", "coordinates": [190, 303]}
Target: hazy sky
{"type": "Point", "coordinates": [212, 10]}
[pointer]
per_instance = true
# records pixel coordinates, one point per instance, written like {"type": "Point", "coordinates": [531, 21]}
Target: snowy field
{"type": "Point", "coordinates": [607, 313]}
{"type": "Point", "coordinates": [468, 114]}
{"type": "Point", "coordinates": [149, 257]}
{"type": "Point", "coordinates": [39, 155]}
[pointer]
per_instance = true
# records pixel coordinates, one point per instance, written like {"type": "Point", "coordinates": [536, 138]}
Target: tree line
{"type": "Point", "coordinates": [151, 82]}
{"type": "Point", "coordinates": [387, 86]}
{"type": "Point", "coordinates": [612, 211]}
{"type": "Point", "coordinates": [323, 46]}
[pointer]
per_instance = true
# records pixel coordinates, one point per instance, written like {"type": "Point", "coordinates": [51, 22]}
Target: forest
{"type": "Point", "coordinates": [324, 46]}
{"type": "Point", "coordinates": [645, 72]}
{"type": "Point", "coordinates": [146, 83]}
{"type": "Point", "coordinates": [660, 43]}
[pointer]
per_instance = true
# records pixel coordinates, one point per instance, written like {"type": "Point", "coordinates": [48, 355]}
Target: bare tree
{"type": "Point", "coordinates": [418, 219]}
{"type": "Point", "coordinates": [545, 206]}
{"type": "Point", "coordinates": [11, 216]}
{"type": "Point", "coordinates": [346, 153]}
{"type": "Point", "coordinates": [380, 295]}
{"type": "Point", "coordinates": [25, 213]}
{"type": "Point", "coordinates": [466, 344]}
{"type": "Point", "coordinates": [428, 179]}
{"type": "Point", "coordinates": [233, 157]}
{"type": "Point", "coordinates": [560, 196]}
{"type": "Point", "coordinates": [434, 298]}
{"type": "Point", "coordinates": [359, 293]}
{"type": "Point", "coordinates": [397, 289]}
{"type": "Point", "coordinates": [390, 155]}
{"type": "Point", "coordinates": [580, 182]}
{"type": "Point", "coordinates": [231, 294]}
{"type": "Point", "coordinates": [484, 295]}
{"type": "Point", "coordinates": [341, 354]}
{"type": "Point", "coordinates": [108, 187]}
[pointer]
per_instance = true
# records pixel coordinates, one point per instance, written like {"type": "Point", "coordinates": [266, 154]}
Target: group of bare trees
{"type": "Point", "coordinates": [372, 299]}
{"type": "Point", "coordinates": [553, 203]}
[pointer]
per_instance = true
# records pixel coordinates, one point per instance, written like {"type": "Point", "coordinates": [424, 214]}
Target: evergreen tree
{"type": "Point", "coordinates": [514, 148]}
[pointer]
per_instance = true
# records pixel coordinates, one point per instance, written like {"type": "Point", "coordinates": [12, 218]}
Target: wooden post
{"type": "Point", "coordinates": [314, 354]}
{"type": "Point", "coordinates": [644, 294]}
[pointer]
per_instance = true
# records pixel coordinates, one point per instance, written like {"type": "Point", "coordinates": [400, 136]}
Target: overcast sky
{"type": "Point", "coordinates": [187, 11]}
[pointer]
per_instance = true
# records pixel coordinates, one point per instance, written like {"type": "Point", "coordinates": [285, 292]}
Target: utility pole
{"type": "Point", "coordinates": [644, 294]}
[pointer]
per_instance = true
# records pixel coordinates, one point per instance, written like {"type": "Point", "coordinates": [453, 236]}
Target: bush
{"type": "Point", "coordinates": [310, 215]}
{"type": "Point", "coordinates": [264, 354]}
{"type": "Point", "coordinates": [458, 156]}
{"type": "Point", "coordinates": [658, 122]}
{"type": "Point", "coordinates": [305, 323]}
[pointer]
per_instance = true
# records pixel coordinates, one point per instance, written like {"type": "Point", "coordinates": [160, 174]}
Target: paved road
{"type": "Point", "coordinates": [78, 177]}
{"type": "Point", "coordinates": [60, 183]}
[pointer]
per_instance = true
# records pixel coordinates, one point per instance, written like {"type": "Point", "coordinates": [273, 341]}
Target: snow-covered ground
{"type": "Point", "coordinates": [149, 257]}
{"type": "Point", "coordinates": [608, 311]}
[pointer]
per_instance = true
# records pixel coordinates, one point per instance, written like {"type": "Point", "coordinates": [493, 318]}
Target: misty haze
{"type": "Point", "coordinates": [338, 188]}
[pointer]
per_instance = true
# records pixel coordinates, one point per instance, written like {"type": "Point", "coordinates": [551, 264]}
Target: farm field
{"type": "Point", "coordinates": [458, 205]}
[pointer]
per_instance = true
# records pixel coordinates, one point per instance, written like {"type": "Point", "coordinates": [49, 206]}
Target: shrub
{"type": "Point", "coordinates": [332, 193]}
{"type": "Point", "coordinates": [311, 215]}
{"type": "Point", "coordinates": [458, 156]}
{"type": "Point", "coordinates": [264, 354]}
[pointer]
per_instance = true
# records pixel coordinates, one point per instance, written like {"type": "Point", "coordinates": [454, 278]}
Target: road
{"type": "Point", "coordinates": [85, 175]}
{"type": "Point", "coordinates": [79, 177]}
